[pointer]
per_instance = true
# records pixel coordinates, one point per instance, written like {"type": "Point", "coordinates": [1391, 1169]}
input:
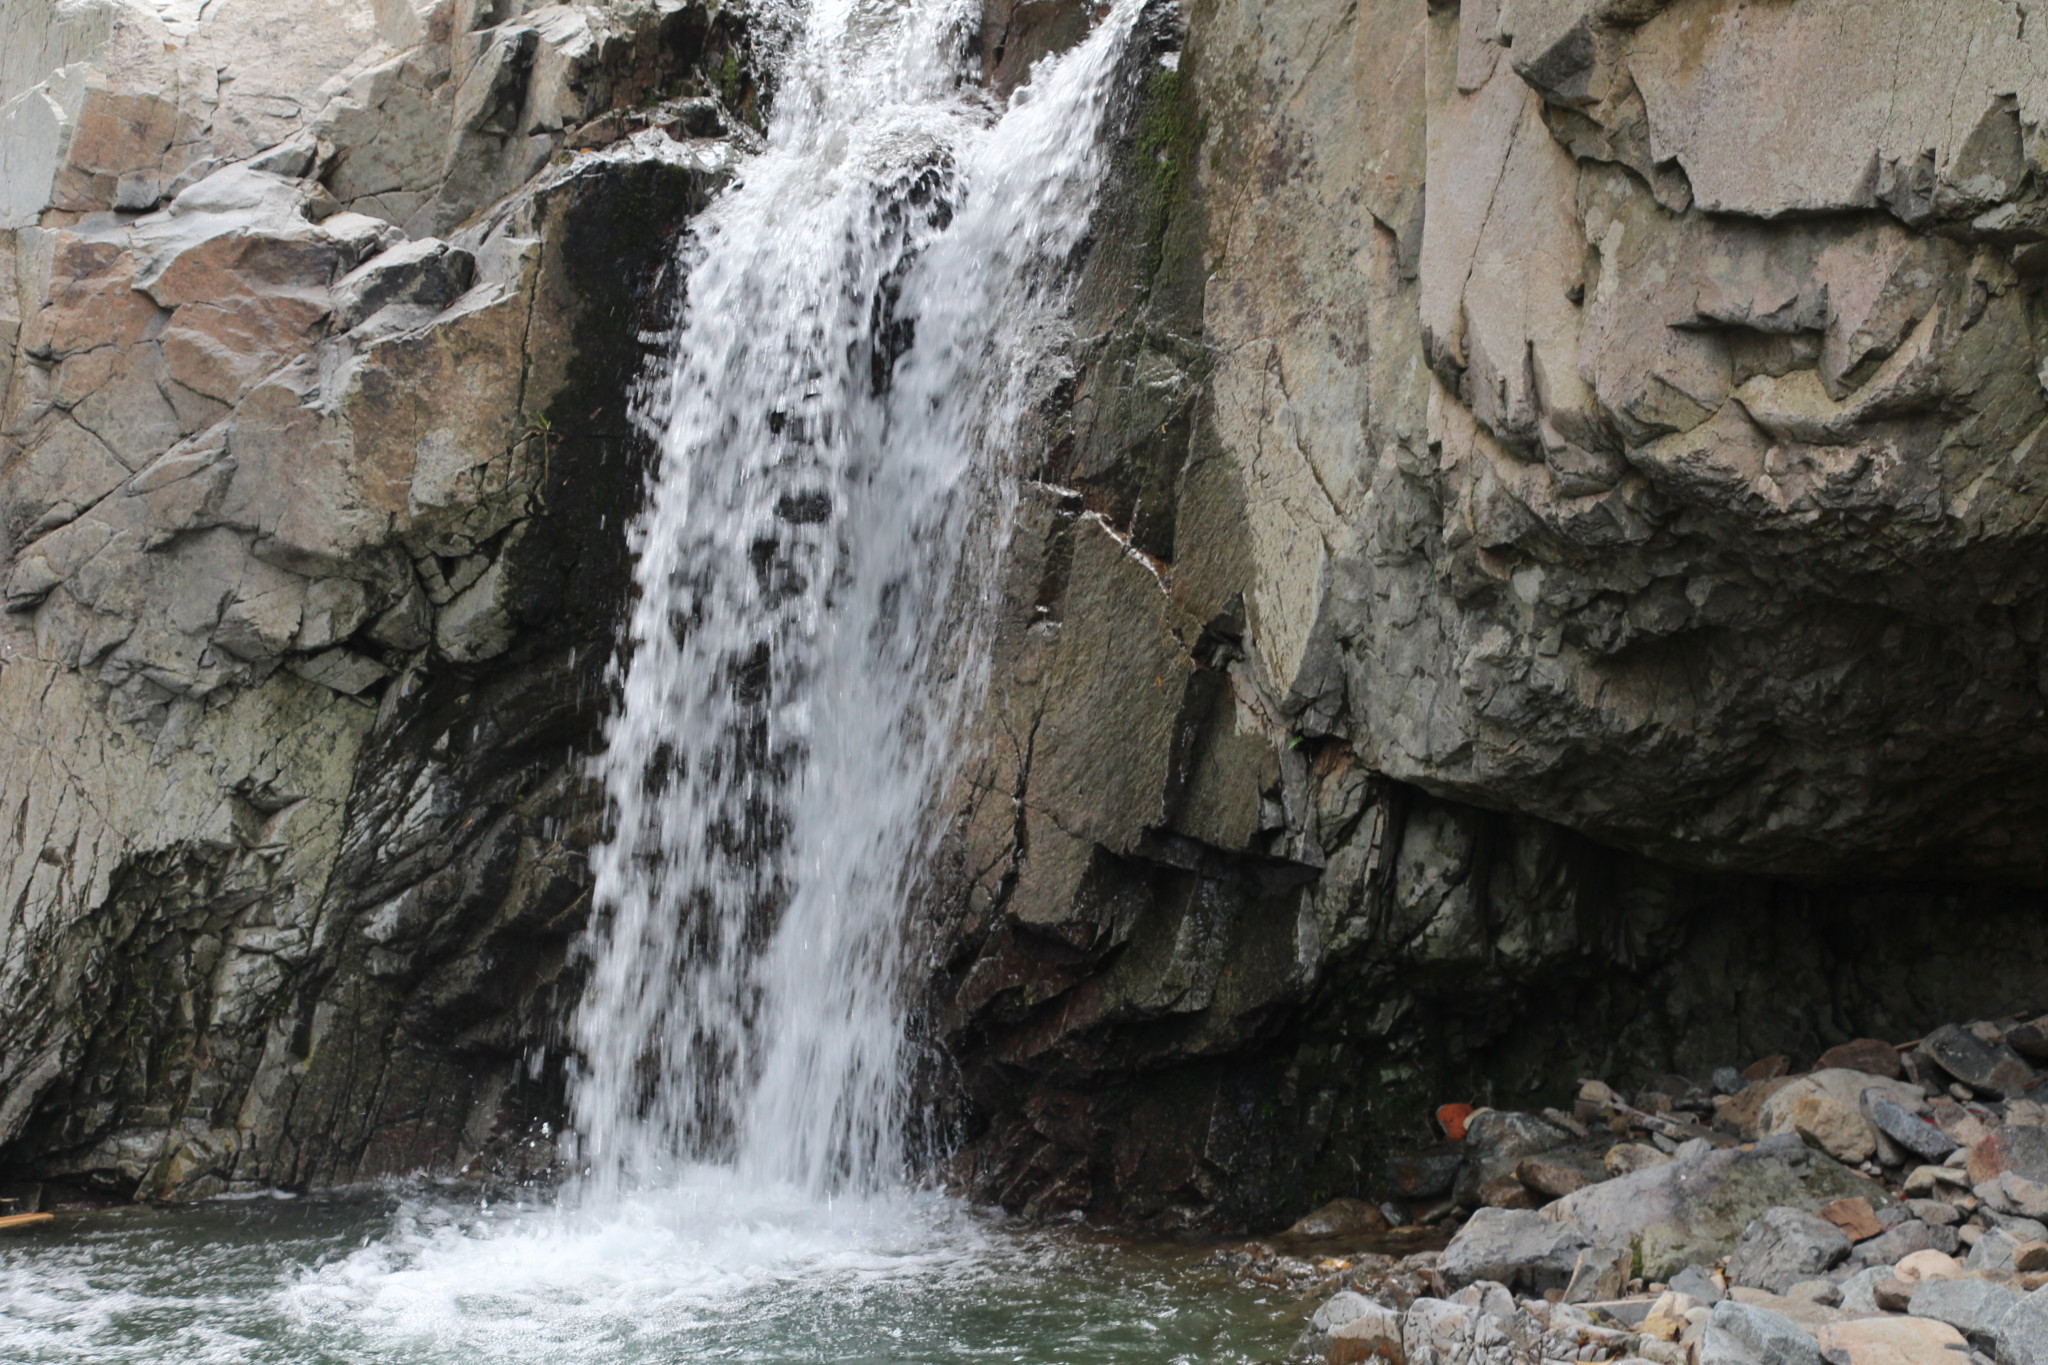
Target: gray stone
{"type": "Point", "coordinates": [2017, 1225]}
{"type": "Point", "coordinates": [477, 624]}
{"type": "Point", "coordinates": [1343, 1307]}
{"type": "Point", "coordinates": [1608, 441]}
{"type": "Point", "coordinates": [1740, 1334]}
{"type": "Point", "coordinates": [1696, 1210]}
{"type": "Point", "coordinates": [342, 670]}
{"type": "Point", "coordinates": [1909, 1236]}
{"type": "Point", "coordinates": [407, 626]}
{"type": "Point", "coordinates": [2022, 1334]}
{"type": "Point", "coordinates": [1826, 1293]}
{"type": "Point", "coordinates": [1698, 1282]}
{"type": "Point", "coordinates": [335, 609]}
{"type": "Point", "coordinates": [1601, 1273]}
{"type": "Point", "coordinates": [2012, 1149]}
{"type": "Point", "coordinates": [1519, 1248]}
{"type": "Point", "coordinates": [1859, 1290]}
{"type": "Point", "coordinates": [1973, 1307]}
{"type": "Point", "coordinates": [2014, 1196]}
{"type": "Point", "coordinates": [1910, 1131]}
{"type": "Point", "coordinates": [1936, 1211]}
{"type": "Point", "coordinates": [1994, 1251]}
{"type": "Point", "coordinates": [1783, 1246]}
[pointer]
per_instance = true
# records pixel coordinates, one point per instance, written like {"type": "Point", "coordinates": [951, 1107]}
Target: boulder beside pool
{"type": "Point", "coordinates": [1693, 1211]}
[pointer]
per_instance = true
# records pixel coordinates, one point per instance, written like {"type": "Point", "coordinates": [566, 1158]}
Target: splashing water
{"type": "Point", "coordinates": [702, 1272]}
{"type": "Point", "coordinates": [864, 311]}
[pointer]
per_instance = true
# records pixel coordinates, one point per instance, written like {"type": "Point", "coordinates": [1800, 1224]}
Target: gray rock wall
{"type": "Point", "coordinates": [1535, 569]}
{"type": "Point", "coordinates": [320, 326]}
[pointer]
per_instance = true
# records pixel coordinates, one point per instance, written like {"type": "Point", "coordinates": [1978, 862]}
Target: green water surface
{"type": "Point", "coordinates": [700, 1273]}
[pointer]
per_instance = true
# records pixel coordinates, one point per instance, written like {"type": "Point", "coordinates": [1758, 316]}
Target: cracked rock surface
{"type": "Point", "coordinates": [1562, 481]}
{"type": "Point", "coordinates": [316, 326]}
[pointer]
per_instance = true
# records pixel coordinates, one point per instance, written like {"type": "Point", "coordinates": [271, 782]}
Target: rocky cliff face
{"type": "Point", "coordinates": [1536, 568]}
{"type": "Point", "coordinates": [318, 325]}
{"type": "Point", "coordinates": [1534, 564]}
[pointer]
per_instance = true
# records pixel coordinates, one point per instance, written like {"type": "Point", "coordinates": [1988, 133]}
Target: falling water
{"type": "Point", "coordinates": [865, 310]}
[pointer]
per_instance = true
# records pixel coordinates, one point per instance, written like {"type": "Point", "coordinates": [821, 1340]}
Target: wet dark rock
{"type": "Point", "coordinates": [2029, 1039]}
{"type": "Point", "coordinates": [1991, 1068]}
{"type": "Point", "coordinates": [1496, 1143]}
{"type": "Point", "coordinates": [1503, 1192]}
{"type": "Point", "coordinates": [1418, 1175]}
{"type": "Point", "coordinates": [1341, 1218]}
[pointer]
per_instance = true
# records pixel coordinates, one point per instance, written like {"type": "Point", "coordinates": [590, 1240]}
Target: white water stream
{"type": "Point", "coordinates": [864, 310]}
{"type": "Point", "coordinates": [867, 307]}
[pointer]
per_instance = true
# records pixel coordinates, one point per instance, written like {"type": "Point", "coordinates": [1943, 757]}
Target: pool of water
{"type": "Point", "coordinates": [704, 1272]}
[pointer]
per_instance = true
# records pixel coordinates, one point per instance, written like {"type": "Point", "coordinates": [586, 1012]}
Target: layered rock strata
{"type": "Point", "coordinates": [1534, 570]}
{"type": "Point", "coordinates": [319, 326]}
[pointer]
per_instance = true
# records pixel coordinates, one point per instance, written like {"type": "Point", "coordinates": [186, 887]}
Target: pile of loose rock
{"type": "Point", "coordinates": [1889, 1207]}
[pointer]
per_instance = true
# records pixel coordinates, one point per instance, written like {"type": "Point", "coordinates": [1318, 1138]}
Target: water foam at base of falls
{"type": "Point", "coordinates": [705, 1271]}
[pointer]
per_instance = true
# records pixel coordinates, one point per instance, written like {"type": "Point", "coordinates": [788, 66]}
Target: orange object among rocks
{"type": "Point", "coordinates": [1855, 1217]}
{"type": "Point", "coordinates": [1452, 1117]}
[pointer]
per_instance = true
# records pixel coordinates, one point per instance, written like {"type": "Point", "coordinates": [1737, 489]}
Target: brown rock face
{"type": "Point", "coordinates": [1558, 486]}
{"type": "Point", "coordinates": [1863, 1054]}
{"type": "Point", "coordinates": [1855, 1217]}
{"type": "Point", "coordinates": [313, 468]}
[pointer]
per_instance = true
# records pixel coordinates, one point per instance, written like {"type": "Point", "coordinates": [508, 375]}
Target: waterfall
{"type": "Point", "coordinates": [866, 306]}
